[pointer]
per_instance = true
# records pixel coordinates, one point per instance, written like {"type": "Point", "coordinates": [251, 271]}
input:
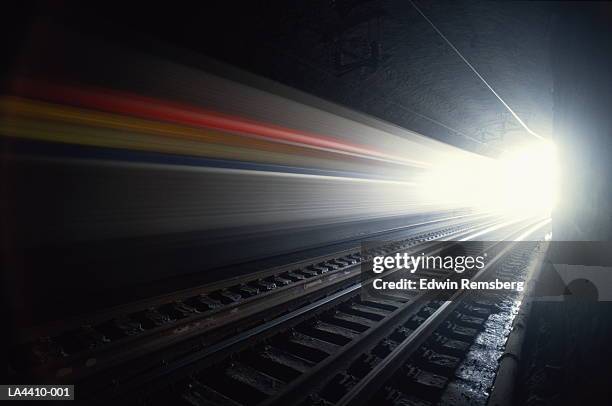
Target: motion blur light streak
{"type": "Point", "coordinates": [358, 181]}
{"type": "Point", "coordinates": [329, 174]}
{"type": "Point", "coordinates": [218, 155]}
{"type": "Point", "coordinates": [142, 107]}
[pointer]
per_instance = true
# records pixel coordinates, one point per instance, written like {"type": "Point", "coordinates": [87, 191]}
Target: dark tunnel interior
{"type": "Point", "coordinates": [195, 197]}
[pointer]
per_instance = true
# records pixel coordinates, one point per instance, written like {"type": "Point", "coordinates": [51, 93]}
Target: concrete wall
{"type": "Point", "coordinates": [582, 70]}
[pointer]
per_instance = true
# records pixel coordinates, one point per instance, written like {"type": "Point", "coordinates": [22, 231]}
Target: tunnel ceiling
{"type": "Point", "coordinates": [377, 57]}
{"type": "Point", "coordinates": [417, 81]}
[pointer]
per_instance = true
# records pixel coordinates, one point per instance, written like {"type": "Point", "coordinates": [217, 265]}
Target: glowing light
{"type": "Point", "coordinates": [530, 177]}
{"type": "Point", "coordinates": [522, 182]}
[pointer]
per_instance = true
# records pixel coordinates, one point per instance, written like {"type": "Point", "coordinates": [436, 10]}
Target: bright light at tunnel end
{"type": "Point", "coordinates": [522, 182]}
{"type": "Point", "coordinates": [530, 178]}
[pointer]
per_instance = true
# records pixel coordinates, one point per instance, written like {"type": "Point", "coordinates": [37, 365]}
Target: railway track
{"type": "Point", "coordinates": [419, 368]}
{"type": "Point", "coordinates": [76, 348]}
{"type": "Point", "coordinates": [300, 351]}
{"type": "Point", "coordinates": [272, 335]}
{"type": "Point", "coordinates": [344, 353]}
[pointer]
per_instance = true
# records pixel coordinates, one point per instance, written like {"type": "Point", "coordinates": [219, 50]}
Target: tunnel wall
{"type": "Point", "coordinates": [582, 67]}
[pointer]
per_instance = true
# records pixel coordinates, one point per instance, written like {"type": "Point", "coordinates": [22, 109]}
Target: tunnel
{"type": "Point", "coordinates": [345, 202]}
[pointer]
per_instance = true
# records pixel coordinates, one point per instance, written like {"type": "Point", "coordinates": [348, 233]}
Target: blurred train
{"type": "Point", "coordinates": [121, 168]}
